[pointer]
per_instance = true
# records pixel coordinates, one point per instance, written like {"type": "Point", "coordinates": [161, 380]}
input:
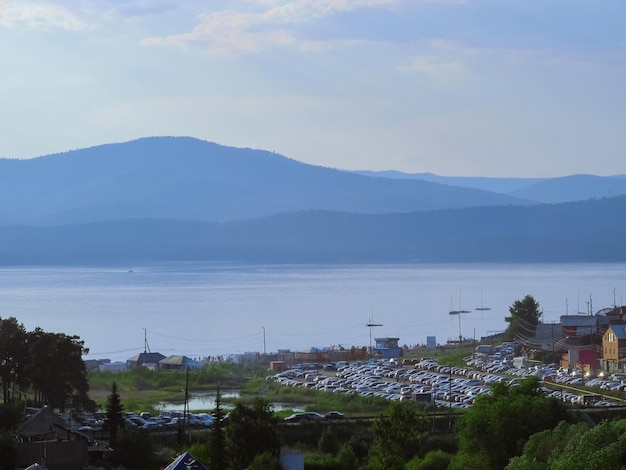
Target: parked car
{"type": "Point", "coordinates": [142, 423]}
{"type": "Point", "coordinates": [173, 423]}
{"type": "Point", "coordinates": [334, 415]}
{"type": "Point", "coordinates": [306, 416]}
{"type": "Point", "coordinates": [205, 420]}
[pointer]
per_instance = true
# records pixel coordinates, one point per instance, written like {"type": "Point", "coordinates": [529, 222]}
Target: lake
{"type": "Point", "coordinates": [207, 310]}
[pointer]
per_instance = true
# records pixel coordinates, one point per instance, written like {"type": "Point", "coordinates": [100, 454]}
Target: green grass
{"type": "Point", "coordinates": [314, 400]}
{"type": "Point", "coordinates": [142, 389]}
{"type": "Point", "coordinates": [445, 356]}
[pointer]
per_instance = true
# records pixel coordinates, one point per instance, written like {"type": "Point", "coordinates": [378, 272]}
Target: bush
{"type": "Point", "coordinates": [435, 460]}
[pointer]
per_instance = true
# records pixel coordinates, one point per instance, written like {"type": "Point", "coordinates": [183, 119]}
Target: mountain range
{"type": "Point", "coordinates": [183, 199]}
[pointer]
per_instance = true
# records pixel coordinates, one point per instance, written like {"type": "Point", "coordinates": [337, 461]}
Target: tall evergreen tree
{"type": "Point", "coordinates": [217, 438]}
{"type": "Point", "coordinates": [525, 316]}
{"type": "Point", "coordinates": [114, 414]}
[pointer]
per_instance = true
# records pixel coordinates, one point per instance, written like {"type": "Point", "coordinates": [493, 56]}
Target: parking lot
{"type": "Point", "coordinates": [457, 387]}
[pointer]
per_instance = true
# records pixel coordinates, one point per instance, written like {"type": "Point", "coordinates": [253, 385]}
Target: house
{"type": "Point", "coordinates": [185, 461]}
{"type": "Point", "coordinates": [144, 359]}
{"type": "Point", "coordinates": [176, 362]}
{"type": "Point", "coordinates": [614, 347]}
{"type": "Point", "coordinates": [607, 316]}
{"type": "Point", "coordinates": [44, 439]}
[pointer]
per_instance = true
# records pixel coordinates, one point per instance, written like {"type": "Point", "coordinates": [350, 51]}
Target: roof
{"type": "Point", "coordinates": [147, 358]}
{"type": "Point", "coordinates": [548, 332]}
{"type": "Point", "coordinates": [178, 360]}
{"type": "Point", "coordinates": [185, 461]}
{"type": "Point", "coordinates": [619, 330]}
{"type": "Point", "coordinates": [578, 320]}
{"type": "Point", "coordinates": [45, 421]}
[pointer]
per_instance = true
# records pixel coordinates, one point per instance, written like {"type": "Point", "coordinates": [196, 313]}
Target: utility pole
{"type": "Point", "coordinates": [186, 408]}
{"type": "Point", "coordinates": [264, 352]}
{"type": "Point", "coordinates": [450, 401]}
{"type": "Point", "coordinates": [370, 324]}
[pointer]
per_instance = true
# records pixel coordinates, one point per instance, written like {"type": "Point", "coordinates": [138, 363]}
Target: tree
{"type": "Point", "coordinates": [525, 315]}
{"type": "Point", "coordinates": [250, 432]}
{"type": "Point", "coordinates": [433, 460]}
{"type": "Point", "coordinates": [13, 356]}
{"type": "Point", "coordinates": [135, 449]}
{"type": "Point", "coordinates": [57, 371]}
{"type": "Point", "coordinates": [499, 424]}
{"type": "Point", "coordinates": [328, 443]}
{"type": "Point", "coordinates": [599, 448]}
{"type": "Point", "coordinates": [544, 446]}
{"type": "Point", "coordinates": [8, 451]}
{"type": "Point", "coordinates": [114, 414]}
{"type": "Point", "coordinates": [398, 436]}
{"type": "Point", "coordinates": [10, 416]}
{"type": "Point", "coordinates": [217, 440]}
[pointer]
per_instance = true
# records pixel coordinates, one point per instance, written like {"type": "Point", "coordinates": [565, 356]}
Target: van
{"type": "Point", "coordinates": [589, 400]}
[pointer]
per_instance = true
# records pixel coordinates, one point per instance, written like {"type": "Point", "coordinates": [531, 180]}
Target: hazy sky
{"type": "Point", "coordinates": [475, 87]}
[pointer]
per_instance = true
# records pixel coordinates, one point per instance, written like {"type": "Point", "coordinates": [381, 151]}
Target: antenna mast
{"type": "Point", "coordinates": [146, 346]}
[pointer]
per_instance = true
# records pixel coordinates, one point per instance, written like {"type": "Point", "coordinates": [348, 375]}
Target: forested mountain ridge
{"type": "Point", "coordinates": [590, 231]}
{"type": "Point", "coordinates": [189, 179]}
{"type": "Point", "coordinates": [539, 190]}
{"type": "Point", "coordinates": [183, 199]}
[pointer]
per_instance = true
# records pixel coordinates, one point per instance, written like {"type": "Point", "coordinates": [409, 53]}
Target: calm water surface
{"type": "Point", "coordinates": [206, 401]}
{"type": "Point", "coordinates": [205, 310]}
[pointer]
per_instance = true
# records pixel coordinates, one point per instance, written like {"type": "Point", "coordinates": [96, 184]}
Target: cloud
{"type": "Point", "coordinates": [232, 32]}
{"type": "Point", "coordinates": [38, 16]}
{"type": "Point", "coordinates": [434, 67]}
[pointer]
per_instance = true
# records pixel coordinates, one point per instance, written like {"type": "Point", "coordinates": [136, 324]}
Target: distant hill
{"type": "Point", "coordinates": [539, 190]}
{"type": "Point", "coordinates": [589, 231]}
{"type": "Point", "coordinates": [496, 185]}
{"type": "Point", "coordinates": [573, 188]}
{"type": "Point", "coordinates": [189, 179]}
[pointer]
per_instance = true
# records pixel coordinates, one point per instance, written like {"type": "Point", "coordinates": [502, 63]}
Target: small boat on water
{"type": "Point", "coordinates": [459, 311]}
{"type": "Point", "coordinates": [481, 308]}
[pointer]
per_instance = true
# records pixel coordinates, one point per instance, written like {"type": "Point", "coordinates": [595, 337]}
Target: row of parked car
{"type": "Point", "coordinates": [428, 380]}
{"type": "Point", "coordinates": [165, 421]}
{"type": "Point", "coordinates": [561, 376]}
{"type": "Point", "coordinates": [169, 420]}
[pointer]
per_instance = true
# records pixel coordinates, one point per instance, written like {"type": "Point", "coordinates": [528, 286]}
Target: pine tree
{"type": "Point", "coordinates": [217, 439]}
{"type": "Point", "coordinates": [114, 413]}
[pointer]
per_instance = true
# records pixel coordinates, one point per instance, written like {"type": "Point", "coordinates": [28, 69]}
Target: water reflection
{"type": "Point", "coordinates": [206, 401]}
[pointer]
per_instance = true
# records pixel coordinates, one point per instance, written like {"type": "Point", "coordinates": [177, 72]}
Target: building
{"type": "Point", "coordinates": [614, 348]}
{"type": "Point", "coordinates": [45, 440]}
{"type": "Point", "coordinates": [177, 362]}
{"type": "Point", "coordinates": [149, 360]}
{"type": "Point", "coordinates": [387, 347]}
{"type": "Point", "coordinates": [579, 325]}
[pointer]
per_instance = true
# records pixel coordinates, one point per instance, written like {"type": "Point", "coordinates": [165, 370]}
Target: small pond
{"type": "Point", "coordinates": [206, 401]}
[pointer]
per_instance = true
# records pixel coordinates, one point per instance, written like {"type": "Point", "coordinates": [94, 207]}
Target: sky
{"type": "Point", "coordinates": [501, 88]}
